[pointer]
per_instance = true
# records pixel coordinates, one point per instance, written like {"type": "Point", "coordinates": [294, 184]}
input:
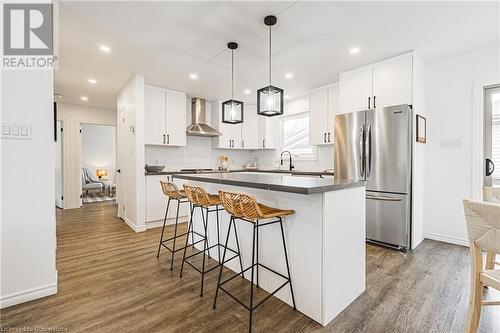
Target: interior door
{"type": "Point", "coordinates": [491, 136]}
{"type": "Point", "coordinates": [388, 149]}
{"type": "Point", "coordinates": [349, 148]}
{"type": "Point", "coordinates": [59, 165]}
{"type": "Point", "coordinates": [121, 159]}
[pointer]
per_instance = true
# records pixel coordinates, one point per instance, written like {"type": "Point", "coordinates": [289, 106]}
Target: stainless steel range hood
{"type": "Point", "coordinates": [198, 125]}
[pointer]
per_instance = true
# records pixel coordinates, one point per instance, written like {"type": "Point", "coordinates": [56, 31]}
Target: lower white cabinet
{"type": "Point", "coordinates": [156, 201]}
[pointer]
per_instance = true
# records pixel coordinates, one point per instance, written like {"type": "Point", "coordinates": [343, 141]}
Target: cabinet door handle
{"type": "Point", "coordinates": [164, 138]}
{"type": "Point", "coordinates": [242, 143]}
{"type": "Point", "coordinates": [374, 98]}
{"type": "Point", "coordinates": [324, 137]}
{"type": "Point", "coordinates": [264, 143]}
{"type": "Point", "coordinates": [329, 137]}
{"type": "Point", "coordinates": [369, 102]}
{"type": "Point", "coordinates": [168, 138]}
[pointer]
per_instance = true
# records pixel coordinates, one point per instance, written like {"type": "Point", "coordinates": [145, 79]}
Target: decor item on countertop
{"type": "Point", "coordinates": [154, 168]}
{"type": "Point", "coordinates": [270, 99]}
{"type": "Point", "coordinates": [232, 110]}
{"type": "Point", "coordinates": [421, 129]}
{"type": "Point", "coordinates": [223, 162]}
{"type": "Point", "coordinates": [101, 173]}
{"type": "Point", "coordinates": [253, 165]}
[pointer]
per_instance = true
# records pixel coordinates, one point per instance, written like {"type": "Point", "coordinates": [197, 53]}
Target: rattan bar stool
{"type": "Point", "coordinates": [244, 207]}
{"type": "Point", "coordinates": [173, 193]}
{"type": "Point", "coordinates": [207, 203]}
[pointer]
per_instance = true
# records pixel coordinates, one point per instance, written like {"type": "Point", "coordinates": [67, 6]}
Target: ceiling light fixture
{"type": "Point", "coordinates": [232, 110]}
{"type": "Point", "coordinates": [354, 50]}
{"type": "Point", "coordinates": [92, 81]}
{"type": "Point", "coordinates": [105, 48]}
{"type": "Point", "coordinates": [270, 98]}
{"type": "Point", "coordinates": [84, 98]}
{"type": "Point", "coordinates": [193, 76]}
{"type": "Point", "coordinates": [247, 91]}
{"type": "Point", "coordinates": [288, 75]}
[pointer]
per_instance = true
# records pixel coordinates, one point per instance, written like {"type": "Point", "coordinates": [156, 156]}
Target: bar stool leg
{"type": "Point", "coordinates": [163, 229]}
{"type": "Point", "coordinates": [222, 262]}
{"type": "Point", "coordinates": [287, 266]}
{"type": "Point", "coordinates": [175, 236]}
{"type": "Point", "coordinates": [218, 234]}
{"type": "Point", "coordinates": [257, 245]}
{"type": "Point", "coordinates": [239, 252]}
{"type": "Point", "coordinates": [192, 231]}
{"type": "Point", "coordinates": [205, 246]}
{"type": "Point", "coordinates": [251, 284]}
{"type": "Point", "coordinates": [190, 228]}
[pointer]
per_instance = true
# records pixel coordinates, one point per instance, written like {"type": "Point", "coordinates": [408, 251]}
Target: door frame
{"type": "Point", "coordinates": [79, 151]}
{"type": "Point", "coordinates": [477, 125]}
{"type": "Point", "coordinates": [61, 138]}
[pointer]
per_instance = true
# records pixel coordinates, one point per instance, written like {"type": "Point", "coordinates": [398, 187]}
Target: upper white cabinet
{"type": "Point", "coordinates": [323, 105]}
{"type": "Point", "coordinates": [386, 83]}
{"type": "Point", "coordinates": [356, 90]}
{"type": "Point", "coordinates": [256, 132]}
{"type": "Point", "coordinates": [164, 117]}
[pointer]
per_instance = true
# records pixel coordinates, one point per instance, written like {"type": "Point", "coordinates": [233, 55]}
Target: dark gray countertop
{"type": "Point", "coordinates": [294, 172]}
{"type": "Point", "coordinates": [285, 183]}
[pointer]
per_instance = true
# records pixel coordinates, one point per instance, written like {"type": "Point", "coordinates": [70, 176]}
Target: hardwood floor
{"type": "Point", "coordinates": [111, 281]}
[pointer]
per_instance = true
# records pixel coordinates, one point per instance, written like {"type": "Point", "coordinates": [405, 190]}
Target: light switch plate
{"type": "Point", "coordinates": [16, 131]}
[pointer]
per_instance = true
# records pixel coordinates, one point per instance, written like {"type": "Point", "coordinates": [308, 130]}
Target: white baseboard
{"type": "Point", "coordinates": [28, 295]}
{"type": "Point", "coordinates": [447, 239]}
{"type": "Point", "coordinates": [134, 227]}
{"type": "Point", "coordinates": [159, 223]}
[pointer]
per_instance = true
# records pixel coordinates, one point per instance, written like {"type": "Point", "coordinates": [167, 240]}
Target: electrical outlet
{"type": "Point", "coordinates": [16, 131]}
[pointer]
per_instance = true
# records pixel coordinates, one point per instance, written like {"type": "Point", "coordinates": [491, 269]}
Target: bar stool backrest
{"type": "Point", "coordinates": [483, 224]}
{"type": "Point", "coordinates": [170, 189]}
{"type": "Point", "coordinates": [491, 194]}
{"type": "Point", "coordinates": [197, 195]}
{"type": "Point", "coordinates": [241, 205]}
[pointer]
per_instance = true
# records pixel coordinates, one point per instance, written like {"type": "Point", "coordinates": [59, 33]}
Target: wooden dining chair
{"type": "Point", "coordinates": [491, 194]}
{"type": "Point", "coordinates": [483, 229]}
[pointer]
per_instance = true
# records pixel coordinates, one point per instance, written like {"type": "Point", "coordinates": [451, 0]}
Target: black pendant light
{"type": "Point", "coordinates": [232, 110]}
{"type": "Point", "coordinates": [270, 98]}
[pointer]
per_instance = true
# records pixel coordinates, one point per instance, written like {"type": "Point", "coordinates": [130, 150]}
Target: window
{"type": "Point", "coordinates": [295, 136]}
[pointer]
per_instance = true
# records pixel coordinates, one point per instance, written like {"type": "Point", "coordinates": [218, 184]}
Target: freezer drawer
{"type": "Point", "coordinates": [388, 219]}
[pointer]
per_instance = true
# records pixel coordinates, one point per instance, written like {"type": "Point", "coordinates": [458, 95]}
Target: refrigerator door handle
{"type": "Point", "coordinates": [362, 152]}
{"type": "Point", "coordinates": [368, 150]}
{"type": "Point", "coordinates": [383, 198]}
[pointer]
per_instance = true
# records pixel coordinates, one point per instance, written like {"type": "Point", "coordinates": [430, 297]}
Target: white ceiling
{"type": "Point", "coordinates": [166, 41]}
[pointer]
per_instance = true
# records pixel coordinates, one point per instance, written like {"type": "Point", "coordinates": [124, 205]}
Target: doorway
{"type": "Point", "coordinates": [98, 162]}
{"type": "Point", "coordinates": [59, 165]}
{"type": "Point", "coordinates": [491, 169]}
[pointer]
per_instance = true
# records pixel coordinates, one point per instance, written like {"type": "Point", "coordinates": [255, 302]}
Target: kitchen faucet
{"type": "Point", "coordinates": [291, 163]}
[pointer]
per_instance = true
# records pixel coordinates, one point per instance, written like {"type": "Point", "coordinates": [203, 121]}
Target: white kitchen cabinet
{"type": "Point", "coordinates": [266, 132]}
{"type": "Point", "coordinates": [356, 89]}
{"type": "Point", "coordinates": [385, 83]}
{"type": "Point", "coordinates": [392, 81]}
{"type": "Point", "coordinates": [164, 117]}
{"type": "Point", "coordinates": [231, 133]}
{"type": "Point", "coordinates": [249, 134]}
{"type": "Point", "coordinates": [154, 115]}
{"type": "Point", "coordinates": [175, 126]}
{"type": "Point", "coordinates": [323, 105]}
{"type": "Point", "coordinates": [156, 201]}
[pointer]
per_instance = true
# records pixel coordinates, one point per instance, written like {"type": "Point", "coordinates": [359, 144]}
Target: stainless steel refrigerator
{"type": "Point", "coordinates": [376, 146]}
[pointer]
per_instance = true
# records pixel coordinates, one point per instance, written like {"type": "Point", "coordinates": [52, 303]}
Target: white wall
{"type": "Point", "coordinates": [72, 116]}
{"type": "Point", "coordinates": [98, 151]}
{"type": "Point", "coordinates": [27, 225]}
{"type": "Point", "coordinates": [452, 157]}
{"type": "Point", "coordinates": [130, 154]}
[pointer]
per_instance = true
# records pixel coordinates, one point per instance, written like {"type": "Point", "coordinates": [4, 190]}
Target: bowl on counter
{"type": "Point", "coordinates": [154, 168]}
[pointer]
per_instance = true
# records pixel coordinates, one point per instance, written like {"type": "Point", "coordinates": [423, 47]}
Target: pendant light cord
{"type": "Point", "coordinates": [232, 74]}
{"type": "Point", "coordinates": [269, 55]}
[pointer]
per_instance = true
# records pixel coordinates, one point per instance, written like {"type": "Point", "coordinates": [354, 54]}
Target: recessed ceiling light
{"type": "Point", "coordinates": [92, 81]}
{"type": "Point", "coordinates": [193, 76]}
{"type": "Point", "coordinates": [84, 98]}
{"type": "Point", "coordinates": [288, 75]}
{"type": "Point", "coordinates": [247, 91]}
{"type": "Point", "coordinates": [286, 96]}
{"type": "Point", "coordinates": [354, 50]}
{"type": "Point", "coordinates": [105, 48]}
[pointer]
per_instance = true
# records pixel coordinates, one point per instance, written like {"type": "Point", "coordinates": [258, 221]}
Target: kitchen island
{"type": "Point", "coordinates": [325, 237]}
